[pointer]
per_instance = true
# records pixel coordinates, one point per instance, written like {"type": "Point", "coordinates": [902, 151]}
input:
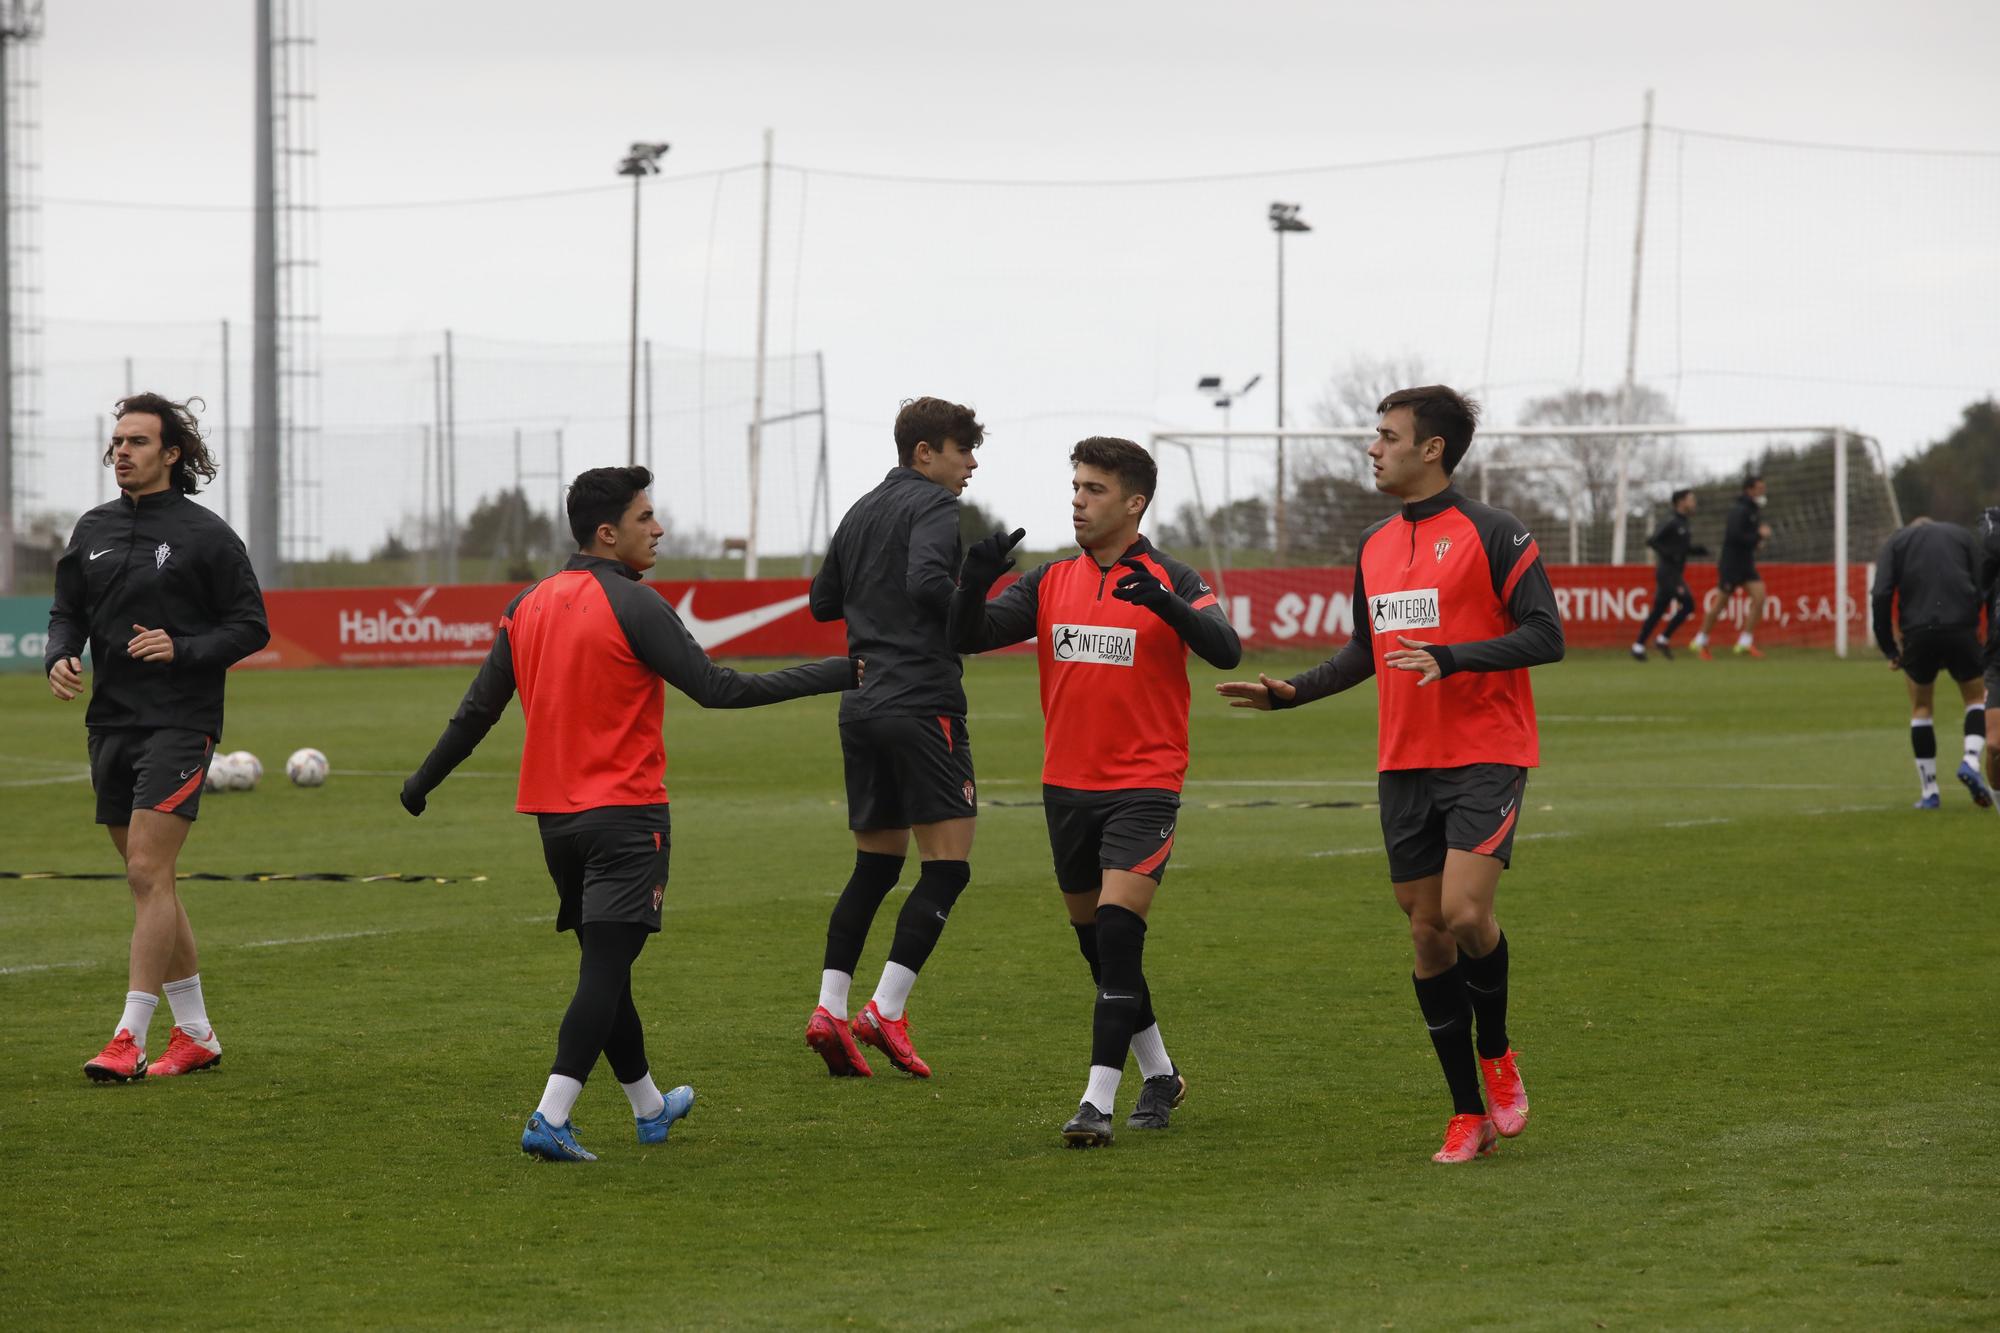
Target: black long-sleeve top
{"type": "Point", "coordinates": [1929, 574]}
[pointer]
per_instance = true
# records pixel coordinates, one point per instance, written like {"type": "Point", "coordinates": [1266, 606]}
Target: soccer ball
{"type": "Point", "coordinates": [219, 769]}
{"type": "Point", "coordinates": [244, 770]}
{"type": "Point", "coordinates": [306, 768]}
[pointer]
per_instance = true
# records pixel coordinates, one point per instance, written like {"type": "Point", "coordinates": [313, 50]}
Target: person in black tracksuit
{"type": "Point", "coordinates": [1926, 617]}
{"type": "Point", "coordinates": [161, 591]}
{"type": "Point", "coordinates": [890, 572]}
{"type": "Point", "coordinates": [1989, 592]}
{"type": "Point", "coordinates": [1743, 532]}
{"type": "Point", "coordinates": [1673, 543]}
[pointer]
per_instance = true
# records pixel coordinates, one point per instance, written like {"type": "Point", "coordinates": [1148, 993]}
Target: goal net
{"type": "Point", "coordinates": [1249, 504]}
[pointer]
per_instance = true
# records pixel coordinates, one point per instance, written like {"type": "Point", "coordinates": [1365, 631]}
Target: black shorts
{"type": "Point", "coordinates": [1427, 811]}
{"type": "Point", "coordinates": [1668, 588]}
{"type": "Point", "coordinates": [1091, 832]}
{"type": "Point", "coordinates": [1728, 578]}
{"type": "Point", "coordinates": [159, 769]}
{"type": "Point", "coordinates": [903, 771]}
{"type": "Point", "coordinates": [1928, 651]}
{"type": "Point", "coordinates": [608, 864]}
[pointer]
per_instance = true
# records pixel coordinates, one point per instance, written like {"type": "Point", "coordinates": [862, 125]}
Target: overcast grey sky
{"type": "Point", "coordinates": [1063, 312]}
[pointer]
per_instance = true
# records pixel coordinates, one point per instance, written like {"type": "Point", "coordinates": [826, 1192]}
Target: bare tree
{"type": "Point", "coordinates": [1585, 471]}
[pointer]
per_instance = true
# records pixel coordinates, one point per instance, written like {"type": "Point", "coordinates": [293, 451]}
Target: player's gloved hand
{"type": "Point", "coordinates": [989, 558]}
{"type": "Point", "coordinates": [1140, 586]}
{"type": "Point", "coordinates": [413, 797]}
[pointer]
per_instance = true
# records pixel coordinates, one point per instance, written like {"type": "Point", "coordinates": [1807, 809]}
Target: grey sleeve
{"type": "Point", "coordinates": [1882, 601]}
{"type": "Point", "coordinates": [485, 700]}
{"type": "Point", "coordinates": [932, 575]}
{"type": "Point", "coordinates": [69, 621]}
{"type": "Point", "coordinates": [1352, 664]}
{"type": "Point", "coordinates": [1537, 636]}
{"type": "Point", "coordinates": [662, 642]}
{"type": "Point", "coordinates": [1204, 626]}
{"type": "Point", "coordinates": [978, 625]}
{"type": "Point", "coordinates": [242, 627]}
{"type": "Point", "coordinates": [828, 600]}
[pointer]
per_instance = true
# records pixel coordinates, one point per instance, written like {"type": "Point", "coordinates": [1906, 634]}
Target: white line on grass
{"type": "Point", "coordinates": [47, 782]}
{"type": "Point", "coordinates": [318, 939]}
{"type": "Point", "coordinates": [40, 967]}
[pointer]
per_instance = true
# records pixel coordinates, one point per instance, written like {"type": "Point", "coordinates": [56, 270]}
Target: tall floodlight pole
{"type": "Point", "coordinates": [263, 506]}
{"type": "Point", "coordinates": [1627, 391]}
{"type": "Point", "coordinates": [1284, 218]}
{"type": "Point", "coordinates": [641, 161]}
{"type": "Point", "coordinates": [757, 395]}
{"type": "Point", "coordinates": [1226, 399]}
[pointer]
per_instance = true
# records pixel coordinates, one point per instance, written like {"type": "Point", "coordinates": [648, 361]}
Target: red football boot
{"type": "Point", "coordinates": [1506, 1099]}
{"type": "Point", "coordinates": [891, 1036]}
{"type": "Point", "coordinates": [1467, 1137]}
{"type": "Point", "coordinates": [120, 1062]}
{"type": "Point", "coordinates": [186, 1055]}
{"type": "Point", "coordinates": [834, 1041]}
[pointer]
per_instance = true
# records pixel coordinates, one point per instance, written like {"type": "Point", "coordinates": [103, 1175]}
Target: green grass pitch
{"type": "Point", "coordinates": [1753, 992]}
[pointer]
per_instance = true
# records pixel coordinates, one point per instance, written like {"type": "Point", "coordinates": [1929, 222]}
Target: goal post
{"type": "Point", "coordinates": [1831, 501]}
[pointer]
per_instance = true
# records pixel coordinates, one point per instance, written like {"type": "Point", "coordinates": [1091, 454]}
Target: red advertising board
{"type": "Point", "coordinates": [1271, 608]}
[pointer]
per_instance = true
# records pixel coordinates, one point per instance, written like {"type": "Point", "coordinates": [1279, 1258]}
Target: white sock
{"type": "Point", "coordinates": [1102, 1090]}
{"type": "Point", "coordinates": [1743, 640]}
{"type": "Point", "coordinates": [1639, 649]}
{"type": "Point", "coordinates": [644, 1096]}
{"type": "Point", "coordinates": [833, 992]}
{"type": "Point", "coordinates": [190, 1010]}
{"type": "Point", "coordinates": [1699, 641]}
{"type": "Point", "coordinates": [1926, 775]}
{"type": "Point", "coordinates": [1150, 1050]}
{"type": "Point", "coordinates": [138, 1015]}
{"type": "Point", "coordinates": [892, 992]}
{"type": "Point", "coordinates": [559, 1098]}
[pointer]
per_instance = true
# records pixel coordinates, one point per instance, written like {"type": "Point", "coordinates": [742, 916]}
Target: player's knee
{"type": "Point", "coordinates": [1121, 940]}
{"type": "Point", "coordinates": [148, 874]}
{"type": "Point", "coordinates": [1468, 922]}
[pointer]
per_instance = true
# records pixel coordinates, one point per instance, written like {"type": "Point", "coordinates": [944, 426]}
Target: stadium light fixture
{"type": "Point", "coordinates": [1284, 218]}
{"type": "Point", "coordinates": [1226, 399]}
{"type": "Point", "coordinates": [641, 160]}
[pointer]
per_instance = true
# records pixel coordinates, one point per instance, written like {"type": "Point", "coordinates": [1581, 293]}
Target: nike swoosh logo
{"type": "Point", "coordinates": [1521, 540]}
{"type": "Point", "coordinates": [1437, 1027]}
{"type": "Point", "coordinates": [1118, 997]}
{"type": "Point", "coordinates": [1505, 808]}
{"type": "Point", "coordinates": [106, 551]}
{"type": "Point", "coordinates": [714, 633]}
{"type": "Point", "coordinates": [190, 773]}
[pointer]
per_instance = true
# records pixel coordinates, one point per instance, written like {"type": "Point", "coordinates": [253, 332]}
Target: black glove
{"type": "Point", "coordinates": [989, 559]}
{"type": "Point", "coordinates": [1142, 587]}
{"type": "Point", "coordinates": [413, 796]}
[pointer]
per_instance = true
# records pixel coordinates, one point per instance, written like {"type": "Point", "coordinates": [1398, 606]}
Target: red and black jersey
{"type": "Point", "coordinates": [1467, 580]}
{"type": "Point", "coordinates": [588, 648]}
{"type": "Point", "coordinates": [1114, 674]}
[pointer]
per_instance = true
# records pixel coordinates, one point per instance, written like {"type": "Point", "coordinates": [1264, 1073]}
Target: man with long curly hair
{"type": "Point", "coordinates": [162, 591]}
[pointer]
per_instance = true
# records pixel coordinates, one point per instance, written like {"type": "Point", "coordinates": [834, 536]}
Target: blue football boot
{"type": "Point", "coordinates": [1930, 802]}
{"type": "Point", "coordinates": [552, 1143]}
{"type": "Point", "coordinates": [1975, 784]}
{"type": "Point", "coordinates": [680, 1101]}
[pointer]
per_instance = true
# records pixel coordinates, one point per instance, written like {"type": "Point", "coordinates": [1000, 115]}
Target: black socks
{"type": "Point", "coordinates": [924, 914]}
{"type": "Point", "coordinates": [1121, 991]}
{"type": "Point", "coordinates": [1486, 987]}
{"type": "Point", "coordinates": [1086, 943]}
{"type": "Point", "coordinates": [1448, 1015]}
{"type": "Point", "coordinates": [847, 930]}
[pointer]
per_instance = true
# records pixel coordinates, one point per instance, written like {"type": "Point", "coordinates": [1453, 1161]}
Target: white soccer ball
{"type": "Point", "coordinates": [244, 770]}
{"type": "Point", "coordinates": [219, 770]}
{"type": "Point", "coordinates": [306, 768]}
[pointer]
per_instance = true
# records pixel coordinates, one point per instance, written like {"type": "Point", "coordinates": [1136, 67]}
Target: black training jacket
{"type": "Point", "coordinates": [891, 571]}
{"type": "Point", "coordinates": [1742, 534]}
{"type": "Point", "coordinates": [1989, 572]}
{"type": "Point", "coordinates": [162, 562]}
{"type": "Point", "coordinates": [1930, 571]}
{"type": "Point", "coordinates": [1674, 543]}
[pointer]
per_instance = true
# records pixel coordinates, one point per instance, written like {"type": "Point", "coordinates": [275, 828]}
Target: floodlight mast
{"type": "Point", "coordinates": [641, 161]}
{"type": "Point", "coordinates": [1284, 218]}
{"type": "Point", "coordinates": [1225, 399]}
{"type": "Point", "coordinates": [20, 22]}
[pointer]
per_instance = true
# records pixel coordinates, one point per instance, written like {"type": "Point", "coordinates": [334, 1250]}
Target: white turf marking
{"type": "Point", "coordinates": [40, 967]}
{"type": "Point", "coordinates": [1605, 717]}
{"type": "Point", "coordinates": [47, 782]}
{"type": "Point", "coordinates": [1697, 823]}
{"type": "Point", "coordinates": [317, 939]}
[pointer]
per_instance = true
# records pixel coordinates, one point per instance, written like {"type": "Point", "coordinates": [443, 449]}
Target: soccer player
{"type": "Point", "coordinates": [1113, 627]}
{"type": "Point", "coordinates": [890, 572]}
{"type": "Point", "coordinates": [1989, 588]}
{"type": "Point", "coordinates": [587, 648]}
{"type": "Point", "coordinates": [1673, 543]}
{"type": "Point", "coordinates": [1926, 616]}
{"type": "Point", "coordinates": [1452, 606]}
{"type": "Point", "coordinates": [162, 591]}
{"type": "Point", "coordinates": [1743, 532]}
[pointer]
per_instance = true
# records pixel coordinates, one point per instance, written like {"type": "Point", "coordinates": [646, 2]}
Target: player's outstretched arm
{"type": "Point", "coordinates": [976, 625]}
{"type": "Point", "coordinates": [241, 625]}
{"type": "Point", "coordinates": [1190, 608]}
{"type": "Point", "coordinates": [662, 642]}
{"type": "Point", "coordinates": [485, 699]}
{"type": "Point", "coordinates": [828, 594]}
